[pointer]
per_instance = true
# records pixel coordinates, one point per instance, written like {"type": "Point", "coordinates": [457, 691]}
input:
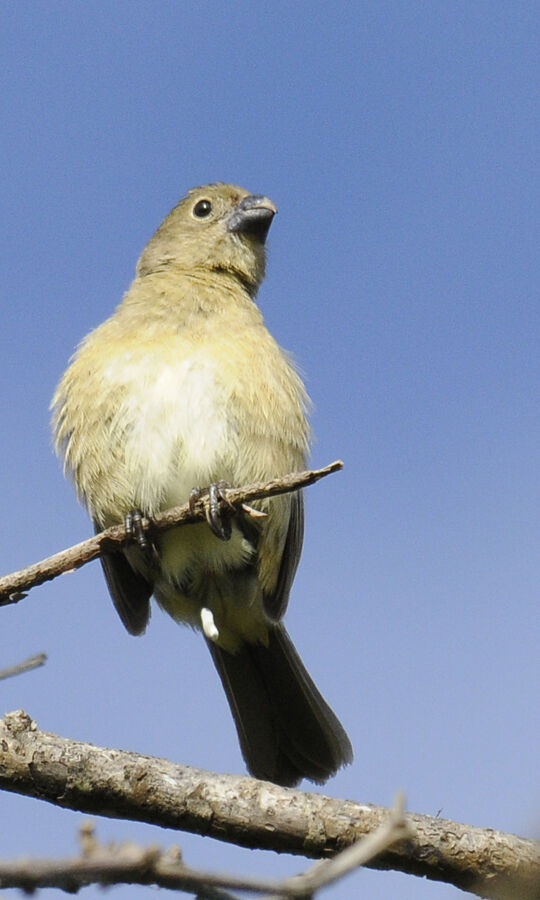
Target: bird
{"type": "Point", "coordinates": [183, 392]}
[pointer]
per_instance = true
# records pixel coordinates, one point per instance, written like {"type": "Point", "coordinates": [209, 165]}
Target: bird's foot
{"type": "Point", "coordinates": [217, 507]}
{"type": "Point", "coordinates": [136, 525]}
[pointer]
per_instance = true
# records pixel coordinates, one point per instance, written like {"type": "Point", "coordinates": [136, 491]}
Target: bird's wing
{"type": "Point", "coordinates": [130, 591]}
{"type": "Point", "coordinates": [275, 603]}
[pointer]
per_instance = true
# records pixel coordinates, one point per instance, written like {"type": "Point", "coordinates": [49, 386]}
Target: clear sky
{"type": "Point", "coordinates": [400, 143]}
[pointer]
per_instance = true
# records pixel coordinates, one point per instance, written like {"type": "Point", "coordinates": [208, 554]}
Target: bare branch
{"type": "Point", "coordinates": [123, 864]}
{"type": "Point", "coordinates": [252, 813]}
{"type": "Point", "coordinates": [13, 587]}
{"type": "Point", "coordinates": [395, 828]}
{"type": "Point", "coordinates": [33, 662]}
{"type": "Point", "coordinates": [130, 864]}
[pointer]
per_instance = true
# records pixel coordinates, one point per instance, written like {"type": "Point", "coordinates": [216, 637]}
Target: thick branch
{"type": "Point", "coordinates": [14, 586]}
{"type": "Point", "coordinates": [252, 813]}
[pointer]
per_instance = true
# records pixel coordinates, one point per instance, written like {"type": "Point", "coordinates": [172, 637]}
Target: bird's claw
{"type": "Point", "coordinates": [218, 509]}
{"type": "Point", "coordinates": [136, 531]}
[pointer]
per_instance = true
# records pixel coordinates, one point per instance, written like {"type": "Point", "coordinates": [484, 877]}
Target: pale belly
{"type": "Point", "coordinates": [179, 438]}
{"type": "Point", "coordinates": [178, 435]}
{"type": "Point", "coordinates": [178, 427]}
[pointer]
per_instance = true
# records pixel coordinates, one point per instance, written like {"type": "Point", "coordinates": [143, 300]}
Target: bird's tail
{"type": "Point", "coordinates": [286, 729]}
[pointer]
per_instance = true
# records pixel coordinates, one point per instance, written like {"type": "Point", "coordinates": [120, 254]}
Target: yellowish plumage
{"type": "Point", "coordinates": [184, 386]}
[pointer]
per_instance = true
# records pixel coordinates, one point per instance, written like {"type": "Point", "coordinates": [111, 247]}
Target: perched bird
{"type": "Point", "coordinates": [182, 387]}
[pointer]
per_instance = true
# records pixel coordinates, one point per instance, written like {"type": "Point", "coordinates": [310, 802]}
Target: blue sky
{"type": "Point", "coordinates": [400, 143]}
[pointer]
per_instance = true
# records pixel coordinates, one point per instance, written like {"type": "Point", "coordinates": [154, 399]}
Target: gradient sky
{"type": "Point", "coordinates": [400, 143]}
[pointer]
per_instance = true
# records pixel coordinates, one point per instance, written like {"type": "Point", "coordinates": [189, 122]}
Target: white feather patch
{"type": "Point", "coordinates": [208, 625]}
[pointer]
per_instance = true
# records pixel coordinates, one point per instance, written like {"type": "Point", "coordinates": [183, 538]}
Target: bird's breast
{"type": "Point", "coordinates": [177, 428]}
{"type": "Point", "coordinates": [143, 421]}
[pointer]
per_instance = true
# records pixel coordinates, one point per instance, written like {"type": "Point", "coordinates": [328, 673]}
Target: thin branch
{"type": "Point", "coordinates": [395, 828]}
{"type": "Point", "coordinates": [14, 587]}
{"type": "Point", "coordinates": [256, 814]}
{"type": "Point", "coordinates": [33, 662]}
{"type": "Point", "coordinates": [131, 864]}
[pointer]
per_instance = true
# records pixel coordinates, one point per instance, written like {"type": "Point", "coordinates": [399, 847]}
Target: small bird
{"type": "Point", "coordinates": [183, 387]}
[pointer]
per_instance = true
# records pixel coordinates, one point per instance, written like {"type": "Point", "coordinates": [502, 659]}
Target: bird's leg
{"type": "Point", "coordinates": [217, 507]}
{"type": "Point", "coordinates": [136, 532]}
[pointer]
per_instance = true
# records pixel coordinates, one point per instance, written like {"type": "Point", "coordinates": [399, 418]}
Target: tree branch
{"type": "Point", "coordinates": [129, 863]}
{"type": "Point", "coordinates": [14, 586]}
{"type": "Point", "coordinates": [252, 813]}
{"type": "Point", "coordinates": [33, 662]}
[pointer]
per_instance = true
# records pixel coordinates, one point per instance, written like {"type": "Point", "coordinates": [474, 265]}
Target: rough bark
{"type": "Point", "coordinates": [241, 810]}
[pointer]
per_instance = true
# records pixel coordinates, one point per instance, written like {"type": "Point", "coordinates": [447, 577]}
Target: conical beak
{"type": "Point", "coordinates": [253, 215]}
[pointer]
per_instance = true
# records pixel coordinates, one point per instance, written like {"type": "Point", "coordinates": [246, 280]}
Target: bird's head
{"type": "Point", "coordinates": [218, 227]}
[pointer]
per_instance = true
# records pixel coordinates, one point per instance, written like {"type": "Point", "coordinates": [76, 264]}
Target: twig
{"type": "Point", "coordinates": [14, 587]}
{"type": "Point", "coordinates": [396, 828]}
{"type": "Point", "coordinates": [256, 814]}
{"type": "Point", "coordinates": [33, 662]}
{"type": "Point", "coordinates": [131, 864]}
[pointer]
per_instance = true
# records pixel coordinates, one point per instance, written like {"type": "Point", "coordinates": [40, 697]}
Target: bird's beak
{"type": "Point", "coordinates": [253, 215]}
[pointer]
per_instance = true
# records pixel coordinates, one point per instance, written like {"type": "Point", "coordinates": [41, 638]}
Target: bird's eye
{"type": "Point", "coordinates": [202, 209]}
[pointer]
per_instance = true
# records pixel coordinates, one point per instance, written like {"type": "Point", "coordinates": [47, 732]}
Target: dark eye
{"type": "Point", "coordinates": [202, 209]}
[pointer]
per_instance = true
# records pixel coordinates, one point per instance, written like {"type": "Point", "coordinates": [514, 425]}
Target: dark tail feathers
{"type": "Point", "coordinates": [286, 729]}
